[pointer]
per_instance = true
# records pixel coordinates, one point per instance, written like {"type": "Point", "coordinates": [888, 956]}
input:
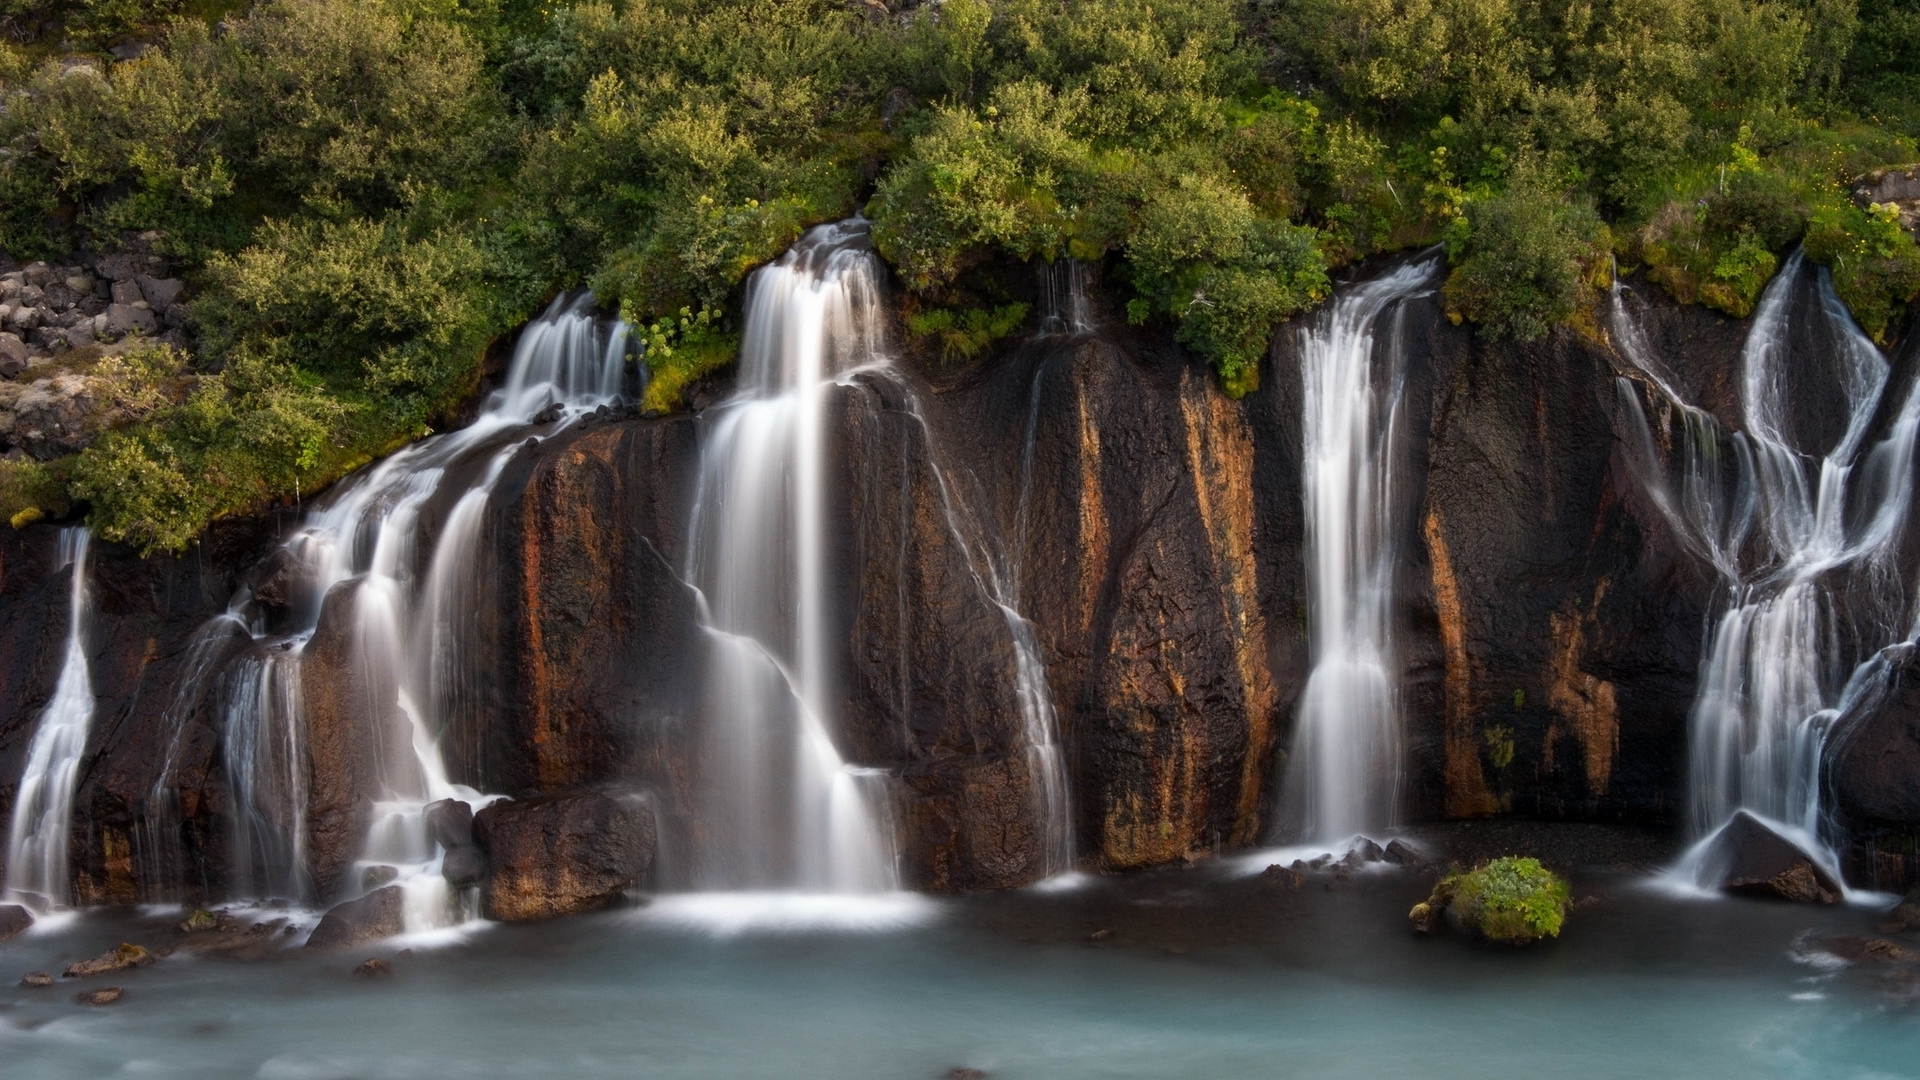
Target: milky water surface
{"type": "Point", "coordinates": [1200, 977]}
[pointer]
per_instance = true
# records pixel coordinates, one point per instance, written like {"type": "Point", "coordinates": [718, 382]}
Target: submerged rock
{"type": "Point", "coordinates": [1401, 853]}
{"type": "Point", "coordinates": [1284, 877]}
{"type": "Point", "coordinates": [200, 922]}
{"type": "Point", "coordinates": [373, 968]}
{"type": "Point", "coordinates": [13, 919]}
{"type": "Point", "coordinates": [562, 854]}
{"type": "Point", "coordinates": [1858, 950]}
{"type": "Point", "coordinates": [120, 959]}
{"type": "Point", "coordinates": [105, 996]}
{"type": "Point", "coordinates": [36, 979]}
{"type": "Point", "coordinates": [379, 914]}
{"type": "Point", "coordinates": [1747, 858]}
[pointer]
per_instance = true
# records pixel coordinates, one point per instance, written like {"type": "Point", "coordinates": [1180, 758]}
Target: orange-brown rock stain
{"type": "Point", "coordinates": [563, 512]}
{"type": "Point", "coordinates": [1466, 784]}
{"type": "Point", "coordinates": [1220, 456]}
{"type": "Point", "coordinates": [1583, 703]}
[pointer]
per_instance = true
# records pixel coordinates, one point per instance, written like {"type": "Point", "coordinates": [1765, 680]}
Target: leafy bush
{"type": "Point", "coordinates": [1875, 263]}
{"type": "Point", "coordinates": [1519, 258]}
{"type": "Point", "coordinates": [965, 334]}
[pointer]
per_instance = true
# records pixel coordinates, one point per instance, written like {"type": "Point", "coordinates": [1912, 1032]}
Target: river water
{"type": "Point", "coordinates": [1201, 975]}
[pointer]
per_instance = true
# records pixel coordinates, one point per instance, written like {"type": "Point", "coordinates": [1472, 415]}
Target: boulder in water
{"type": "Point", "coordinates": [13, 919]}
{"type": "Point", "coordinates": [120, 959]}
{"type": "Point", "coordinates": [36, 979]}
{"type": "Point", "coordinates": [200, 922]}
{"type": "Point", "coordinates": [374, 877]}
{"type": "Point", "coordinates": [1401, 853]}
{"type": "Point", "coordinates": [379, 914]}
{"type": "Point", "coordinates": [1284, 877]}
{"type": "Point", "coordinates": [1515, 901]}
{"type": "Point", "coordinates": [105, 996]}
{"type": "Point", "coordinates": [373, 968]}
{"type": "Point", "coordinates": [562, 854]}
{"type": "Point", "coordinates": [1748, 858]}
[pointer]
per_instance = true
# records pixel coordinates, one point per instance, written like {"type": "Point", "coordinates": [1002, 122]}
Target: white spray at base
{"type": "Point", "coordinates": [1343, 773]}
{"type": "Point", "coordinates": [778, 807]}
{"type": "Point", "coordinates": [1806, 547]}
{"type": "Point", "coordinates": [37, 874]}
{"type": "Point", "coordinates": [411, 608]}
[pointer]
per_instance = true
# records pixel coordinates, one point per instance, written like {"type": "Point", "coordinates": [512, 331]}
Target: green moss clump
{"type": "Point", "coordinates": [965, 334]}
{"type": "Point", "coordinates": [1511, 900]}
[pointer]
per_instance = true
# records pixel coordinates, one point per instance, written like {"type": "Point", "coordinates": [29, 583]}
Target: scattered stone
{"type": "Point", "coordinates": [36, 979]}
{"type": "Point", "coordinates": [1367, 850]}
{"type": "Point", "coordinates": [1285, 877]}
{"type": "Point", "coordinates": [373, 968]}
{"type": "Point", "coordinates": [126, 292]}
{"type": "Point", "coordinates": [105, 996]}
{"type": "Point", "coordinates": [553, 412]}
{"type": "Point", "coordinates": [200, 922]}
{"type": "Point", "coordinates": [1401, 853]}
{"type": "Point", "coordinates": [13, 919]}
{"type": "Point", "coordinates": [1748, 858]}
{"type": "Point", "coordinates": [120, 959]}
{"type": "Point", "coordinates": [379, 914]}
{"type": "Point", "coordinates": [373, 877]}
{"type": "Point", "coordinates": [160, 293]}
{"type": "Point", "coordinates": [125, 319]}
{"type": "Point", "coordinates": [562, 854]}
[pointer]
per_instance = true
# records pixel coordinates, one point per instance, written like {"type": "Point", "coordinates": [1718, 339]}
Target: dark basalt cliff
{"type": "Point", "coordinates": [1148, 528]}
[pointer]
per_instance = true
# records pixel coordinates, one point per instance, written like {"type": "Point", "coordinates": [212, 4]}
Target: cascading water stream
{"type": "Point", "coordinates": [1805, 544]}
{"type": "Point", "coordinates": [1065, 308]}
{"type": "Point", "coordinates": [1344, 771]}
{"type": "Point", "coordinates": [407, 620]}
{"type": "Point", "coordinates": [36, 869]}
{"type": "Point", "coordinates": [778, 806]}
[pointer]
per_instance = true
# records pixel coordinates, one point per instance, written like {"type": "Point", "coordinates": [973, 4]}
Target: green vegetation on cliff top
{"type": "Point", "coordinates": [365, 192]}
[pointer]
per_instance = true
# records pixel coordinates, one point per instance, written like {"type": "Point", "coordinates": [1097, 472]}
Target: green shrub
{"type": "Point", "coordinates": [1875, 263]}
{"type": "Point", "coordinates": [965, 334]}
{"type": "Point", "coordinates": [1518, 258]}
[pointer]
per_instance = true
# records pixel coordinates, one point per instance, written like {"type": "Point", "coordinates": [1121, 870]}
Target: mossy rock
{"type": "Point", "coordinates": [1515, 901]}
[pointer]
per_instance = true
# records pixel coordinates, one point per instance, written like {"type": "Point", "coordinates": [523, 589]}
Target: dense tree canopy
{"type": "Point", "coordinates": [364, 192]}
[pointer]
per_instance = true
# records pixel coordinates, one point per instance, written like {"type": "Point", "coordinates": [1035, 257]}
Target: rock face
{"type": "Point", "coordinates": [381, 913]}
{"type": "Point", "coordinates": [1095, 495]}
{"type": "Point", "coordinates": [1749, 859]}
{"type": "Point", "coordinates": [1876, 756]}
{"type": "Point", "coordinates": [562, 854]}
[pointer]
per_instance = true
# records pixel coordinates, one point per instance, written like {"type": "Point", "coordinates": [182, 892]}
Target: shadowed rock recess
{"type": "Point", "coordinates": [1150, 530]}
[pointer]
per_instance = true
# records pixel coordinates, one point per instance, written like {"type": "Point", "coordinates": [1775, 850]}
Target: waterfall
{"type": "Point", "coordinates": [1804, 542]}
{"type": "Point", "coordinates": [411, 607]}
{"type": "Point", "coordinates": [784, 809]}
{"type": "Point", "coordinates": [778, 805]}
{"type": "Point", "coordinates": [1344, 770]}
{"type": "Point", "coordinates": [36, 870]}
{"type": "Point", "coordinates": [1063, 295]}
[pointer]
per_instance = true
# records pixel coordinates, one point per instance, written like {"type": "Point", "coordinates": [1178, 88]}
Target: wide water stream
{"type": "Point", "coordinates": [1173, 974]}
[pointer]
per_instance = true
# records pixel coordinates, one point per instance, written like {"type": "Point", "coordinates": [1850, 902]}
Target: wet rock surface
{"type": "Point", "coordinates": [381, 913]}
{"type": "Point", "coordinates": [1749, 859]}
{"type": "Point", "coordinates": [562, 854]}
{"type": "Point", "coordinates": [120, 959]}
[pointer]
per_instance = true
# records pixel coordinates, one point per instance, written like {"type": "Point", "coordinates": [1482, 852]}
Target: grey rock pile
{"type": "Point", "coordinates": [55, 319]}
